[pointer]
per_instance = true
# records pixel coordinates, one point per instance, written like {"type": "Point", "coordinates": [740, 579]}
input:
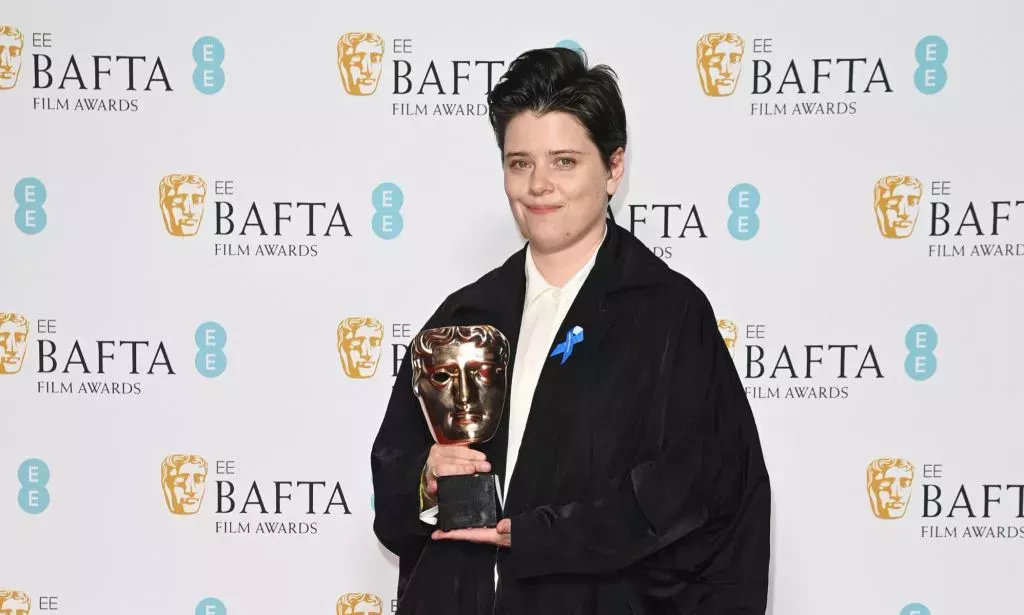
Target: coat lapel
{"type": "Point", "coordinates": [498, 301]}
{"type": "Point", "coordinates": [560, 401]}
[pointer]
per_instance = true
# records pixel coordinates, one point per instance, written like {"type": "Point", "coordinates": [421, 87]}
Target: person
{"type": "Point", "coordinates": [634, 481]}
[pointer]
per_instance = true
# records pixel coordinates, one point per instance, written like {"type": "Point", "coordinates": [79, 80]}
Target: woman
{"type": "Point", "coordinates": [634, 476]}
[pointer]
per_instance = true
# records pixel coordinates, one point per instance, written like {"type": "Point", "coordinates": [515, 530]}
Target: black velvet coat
{"type": "Point", "coordinates": [640, 486]}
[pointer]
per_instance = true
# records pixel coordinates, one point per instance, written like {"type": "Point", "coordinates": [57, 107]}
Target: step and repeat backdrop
{"type": "Point", "coordinates": [222, 224]}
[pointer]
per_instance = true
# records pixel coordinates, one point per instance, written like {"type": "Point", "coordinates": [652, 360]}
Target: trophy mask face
{"type": "Point", "coordinates": [460, 376]}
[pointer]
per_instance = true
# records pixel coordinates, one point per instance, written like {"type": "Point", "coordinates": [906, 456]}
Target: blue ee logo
{"type": "Point", "coordinates": [743, 223]}
{"type": "Point", "coordinates": [33, 475]}
{"type": "Point", "coordinates": [569, 44]}
{"type": "Point", "coordinates": [210, 358]}
{"type": "Point", "coordinates": [30, 194]}
{"type": "Point", "coordinates": [387, 220]}
{"type": "Point", "coordinates": [208, 76]}
{"type": "Point", "coordinates": [931, 53]}
{"type": "Point", "coordinates": [211, 606]}
{"type": "Point", "coordinates": [921, 341]}
{"type": "Point", "coordinates": [915, 609]}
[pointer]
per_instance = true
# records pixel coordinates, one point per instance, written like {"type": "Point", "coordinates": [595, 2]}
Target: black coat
{"type": "Point", "coordinates": [640, 485]}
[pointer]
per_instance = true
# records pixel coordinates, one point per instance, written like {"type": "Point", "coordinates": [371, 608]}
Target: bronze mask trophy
{"type": "Point", "coordinates": [460, 376]}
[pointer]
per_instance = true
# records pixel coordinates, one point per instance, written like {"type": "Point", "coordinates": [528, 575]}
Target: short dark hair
{"type": "Point", "coordinates": [558, 79]}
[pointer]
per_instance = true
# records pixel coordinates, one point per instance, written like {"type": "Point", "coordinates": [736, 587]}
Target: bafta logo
{"type": "Point", "coordinates": [12, 42]}
{"type": "Point", "coordinates": [719, 55]}
{"type": "Point", "coordinates": [182, 202]}
{"type": "Point", "coordinates": [360, 604]}
{"type": "Point", "coordinates": [897, 199]}
{"type": "Point", "coordinates": [13, 342]}
{"type": "Point", "coordinates": [889, 483]}
{"type": "Point", "coordinates": [359, 344]}
{"type": "Point", "coordinates": [14, 602]}
{"type": "Point", "coordinates": [729, 333]}
{"type": "Point", "coordinates": [183, 478]}
{"type": "Point", "coordinates": [360, 59]}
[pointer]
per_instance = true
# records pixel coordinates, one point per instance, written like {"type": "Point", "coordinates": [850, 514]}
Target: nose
{"type": "Point", "coordinates": [901, 211]}
{"type": "Point", "coordinates": [5, 58]}
{"type": "Point", "coordinates": [540, 181]}
{"type": "Point", "coordinates": [463, 391]}
{"type": "Point", "coordinates": [190, 486]}
{"type": "Point", "coordinates": [364, 349]}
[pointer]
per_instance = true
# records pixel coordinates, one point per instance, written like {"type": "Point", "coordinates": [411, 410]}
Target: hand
{"type": "Point", "coordinates": [500, 536]}
{"type": "Point", "coordinates": [452, 460]}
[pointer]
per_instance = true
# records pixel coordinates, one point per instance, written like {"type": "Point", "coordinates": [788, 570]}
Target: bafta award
{"type": "Point", "coordinates": [460, 376]}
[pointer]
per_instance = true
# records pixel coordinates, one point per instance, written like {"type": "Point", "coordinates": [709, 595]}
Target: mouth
{"type": "Point", "coordinates": [541, 209]}
{"type": "Point", "coordinates": [466, 418]}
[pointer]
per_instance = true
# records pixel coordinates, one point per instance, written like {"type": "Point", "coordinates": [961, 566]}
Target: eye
{"type": "Point", "coordinates": [519, 164]}
{"type": "Point", "coordinates": [565, 163]}
{"type": "Point", "coordinates": [440, 377]}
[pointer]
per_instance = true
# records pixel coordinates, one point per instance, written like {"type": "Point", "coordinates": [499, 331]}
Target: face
{"type": "Point", "coordinates": [10, 61]}
{"type": "Point", "coordinates": [360, 351]}
{"type": "Point", "coordinates": [19, 604]}
{"type": "Point", "coordinates": [183, 208]}
{"type": "Point", "coordinates": [362, 608]}
{"type": "Point", "coordinates": [555, 180]}
{"type": "Point", "coordinates": [897, 209]}
{"type": "Point", "coordinates": [13, 342]}
{"type": "Point", "coordinates": [461, 389]}
{"type": "Point", "coordinates": [891, 492]}
{"type": "Point", "coordinates": [186, 488]}
{"type": "Point", "coordinates": [729, 334]}
{"type": "Point", "coordinates": [721, 68]}
{"type": "Point", "coordinates": [360, 67]}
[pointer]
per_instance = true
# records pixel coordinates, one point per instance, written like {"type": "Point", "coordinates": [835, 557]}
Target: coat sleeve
{"type": "Point", "coordinates": [699, 504]}
{"type": "Point", "coordinates": [397, 457]}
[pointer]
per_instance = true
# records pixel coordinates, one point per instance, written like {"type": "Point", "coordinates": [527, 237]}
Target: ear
{"type": "Point", "coordinates": [617, 162]}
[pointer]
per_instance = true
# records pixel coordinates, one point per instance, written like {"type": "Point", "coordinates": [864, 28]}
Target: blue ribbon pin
{"type": "Point", "coordinates": [572, 337]}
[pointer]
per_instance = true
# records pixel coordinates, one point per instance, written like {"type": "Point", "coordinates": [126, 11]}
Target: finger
{"type": "Point", "coordinates": [478, 535]}
{"type": "Point", "coordinates": [431, 487]}
{"type": "Point", "coordinates": [454, 469]}
{"type": "Point", "coordinates": [462, 452]}
{"type": "Point", "coordinates": [504, 526]}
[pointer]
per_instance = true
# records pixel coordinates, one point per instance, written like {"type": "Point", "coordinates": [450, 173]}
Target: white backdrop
{"type": "Point", "coordinates": [86, 528]}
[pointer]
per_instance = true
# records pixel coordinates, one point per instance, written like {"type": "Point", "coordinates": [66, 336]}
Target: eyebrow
{"type": "Point", "coordinates": [553, 152]}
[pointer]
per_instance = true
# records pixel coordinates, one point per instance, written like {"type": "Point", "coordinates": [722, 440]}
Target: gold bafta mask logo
{"type": "Point", "coordinates": [360, 59]}
{"type": "Point", "coordinates": [12, 42]}
{"type": "Point", "coordinates": [183, 478]}
{"type": "Point", "coordinates": [182, 202]}
{"type": "Point", "coordinates": [719, 57]}
{"type": "Point", "coordinates": [13, 342]}
{"type": "Point", "coordinates": [14, 602]}
{"type": "Point", "coordinates": [889, 485]}
{"type": "Point", "coordinates": [897, 200]}
{"type": "Point", "coordinates": [360, 604]}
{"type": "Point", "coordinates": [359, 344]}
{"type": "Point", "coordinates": [729, 333]}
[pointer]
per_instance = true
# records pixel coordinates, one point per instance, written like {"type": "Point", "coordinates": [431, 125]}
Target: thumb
{"type": "Point", "coordinates": [504, 526]}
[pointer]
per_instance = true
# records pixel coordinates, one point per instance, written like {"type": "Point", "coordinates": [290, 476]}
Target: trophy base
{"type": "Point", "coordinates": [467, 501]}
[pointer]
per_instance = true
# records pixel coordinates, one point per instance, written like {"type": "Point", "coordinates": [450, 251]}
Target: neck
{"type": "Point", "coordinates": [558, 267]}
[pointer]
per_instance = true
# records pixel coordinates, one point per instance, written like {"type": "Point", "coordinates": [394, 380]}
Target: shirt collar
{"type": "Point", "coordinates": [536, 284]}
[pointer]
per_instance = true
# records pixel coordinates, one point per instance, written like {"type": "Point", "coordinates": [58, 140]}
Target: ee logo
{"type": "Point", "coordinates": [210, 358]}
{"type": "Point", "coordinates": [30, 194]}
{"type": "Point", "coordinates": [743, 223]}
{"type": "Point", "coordinates": [931, 53]}
{"type": "Point", "coordinates": [921, 341]}
{"type": "Point", "coordinates": [33, 475]}
{"type": "Point", "coordinates": [211, 606]}
{"type": "Point", "coordinates": [569, 44]}
{"type": "Point", "coordinates": [208, 77]}
{"type": "Point", "coordinates": [387, 220]}
{"type": "Point", "coordinates": [915, 609]}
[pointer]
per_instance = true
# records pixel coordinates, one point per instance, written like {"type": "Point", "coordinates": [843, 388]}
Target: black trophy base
{"type": "Point", "coordinates": [467, 501]}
